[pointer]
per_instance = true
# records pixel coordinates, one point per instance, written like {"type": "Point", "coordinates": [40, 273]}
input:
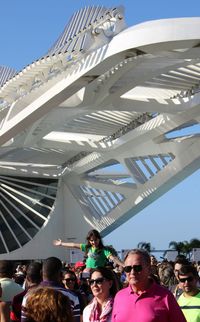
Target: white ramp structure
{"type": "Point", "coordinates": [97, 129]}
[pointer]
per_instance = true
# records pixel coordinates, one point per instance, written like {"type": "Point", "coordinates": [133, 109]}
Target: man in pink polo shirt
{"type": "Point", "coordinates": [144, 300]}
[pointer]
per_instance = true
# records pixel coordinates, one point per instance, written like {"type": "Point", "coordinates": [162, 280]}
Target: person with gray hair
{"type": "Point", "coordinates": [144, 300]}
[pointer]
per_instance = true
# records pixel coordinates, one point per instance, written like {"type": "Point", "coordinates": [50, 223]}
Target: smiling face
{"type": "Point", "coordinates": [94, 242]}
{"type": "Point", "coordinates": [69, 281]}
{"type": "Point", "coordinates": [188, 283]}
{"type": "Point", "coordinates": [138, 277]}
{"type": "Point", "coordinates": [100, 286]}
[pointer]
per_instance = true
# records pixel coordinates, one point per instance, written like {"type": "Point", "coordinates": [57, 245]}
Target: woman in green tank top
{"type": "Point", "coordinates": [96, 254]}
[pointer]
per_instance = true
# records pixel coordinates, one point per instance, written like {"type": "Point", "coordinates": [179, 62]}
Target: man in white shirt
{"type": "Point", "coordinates": [8, 285]}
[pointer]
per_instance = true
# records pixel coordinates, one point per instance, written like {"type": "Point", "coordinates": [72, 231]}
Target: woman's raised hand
{"type": "Point", "coordinates": [57, 242]}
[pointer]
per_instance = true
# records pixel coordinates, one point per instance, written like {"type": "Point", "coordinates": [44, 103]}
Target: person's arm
{"type": "Point", "coordinates": [59, 242]}
{"type": "Point", "coordinates": [116, 260]}
{"type": "Point", "coordinates": [4, 312]}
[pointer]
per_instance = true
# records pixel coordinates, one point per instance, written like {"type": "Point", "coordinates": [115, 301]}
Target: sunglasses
{"type": "Point", "coordinates": [136, 268]}
{"type": "Point", "coordinates": [70, 279]}
{"type": "Point", "coordinates": [188, 279]}
{"type": "Point", "coordinates": [98, 281]}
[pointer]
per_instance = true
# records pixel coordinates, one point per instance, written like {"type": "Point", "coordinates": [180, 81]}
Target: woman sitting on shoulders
{"type": "Point", "coordinates": [96, 253]}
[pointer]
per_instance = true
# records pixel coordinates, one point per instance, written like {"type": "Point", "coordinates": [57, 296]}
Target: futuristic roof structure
{"type": "Point", "coordinates": [109, 112]}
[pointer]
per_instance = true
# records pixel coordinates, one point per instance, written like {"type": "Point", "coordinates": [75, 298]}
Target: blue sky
{"type": "Point", "coordinates": [29, 28]}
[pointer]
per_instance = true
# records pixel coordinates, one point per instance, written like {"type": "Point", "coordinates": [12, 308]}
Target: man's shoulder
{"type": "Point", "coordinates": [71, 295]}
{"type": "Point", "coordinates": [68, 293]}
{"type": "Point", "coordinates": [181, 299]}
{"type": "Point", "coordinates": [124, 291]}
{"type": "Point", "coordinates": [8, 282]}
{"type": "Point", "coordinates": [198, 295]}
{"type": "Point", "coordinates": [19, 296]}
{"type": "Point", "coordinates": [161, 288]}
{"type": "Point", "coordinates": [194, 298]}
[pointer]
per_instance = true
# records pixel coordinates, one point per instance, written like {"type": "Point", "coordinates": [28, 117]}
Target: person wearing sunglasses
{"type": "Point", "coordinates": [177, 288]}
{"type": "Point", "coordinates": [144, 300]}
{"type": "Point", "coordinates": [104, 286]}
{"type": "Point", "coordinates": [189, 300]}
{"type": "Point", "coordinates": [96, 254]}
{"type": "Point", "coordinates": [70, 282]}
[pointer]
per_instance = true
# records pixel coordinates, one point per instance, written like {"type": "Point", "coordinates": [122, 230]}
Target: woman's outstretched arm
{"type": "Point", "coordinates": [59, 242]}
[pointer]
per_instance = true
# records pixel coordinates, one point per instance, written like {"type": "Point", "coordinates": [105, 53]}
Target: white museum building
{"type": "Point", "coordinates": [96, 129]}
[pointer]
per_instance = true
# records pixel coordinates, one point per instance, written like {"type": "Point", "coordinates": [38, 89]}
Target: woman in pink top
{"type": "Point", "coordinates": [104, 287]}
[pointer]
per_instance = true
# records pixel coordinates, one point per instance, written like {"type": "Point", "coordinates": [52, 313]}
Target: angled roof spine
{"type": "Point", "coordinates": [5, 74]}
{"type": "Point", "coordinates": [79, 22]}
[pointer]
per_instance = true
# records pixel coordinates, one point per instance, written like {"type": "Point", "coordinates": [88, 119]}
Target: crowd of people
{"type": "Point", "coordinates": [102, 288]}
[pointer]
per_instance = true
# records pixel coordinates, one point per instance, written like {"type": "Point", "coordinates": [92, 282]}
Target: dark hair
{"type": "Point", "coordinates": [52, 266]}
{"type": "Point", "coordinates": [139, 251]}
{"type": "Point", "coordinates": [182, 260]}
{"type": "Point", "coordinates": [6, 268]}
{"type": "Point", "coordinates": [94, 234]}
{"type": "Point", "coordinates": [110, 276]}
{"type": "Point", "coordinates": [33, 273]}
{"type": "Point", "coordinates": [69, 271]}
{"type": "Point", "coordinates": [186, 269]}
